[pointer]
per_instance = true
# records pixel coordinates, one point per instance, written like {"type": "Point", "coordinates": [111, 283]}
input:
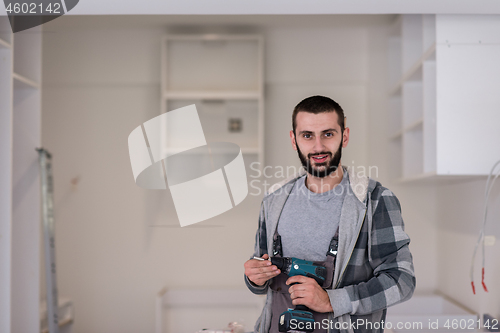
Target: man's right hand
{"type": "Point", "coordinates": [259, 271]}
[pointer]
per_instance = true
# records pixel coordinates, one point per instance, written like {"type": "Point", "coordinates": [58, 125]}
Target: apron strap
{"type": "Point", "coordinates": [277, 247]}
{"type": "Point", "coordinates": [334, 245]}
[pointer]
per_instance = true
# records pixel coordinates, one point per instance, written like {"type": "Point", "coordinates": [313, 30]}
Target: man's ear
{"type": "Point", "coordinates": [292, 138]}
{"type": "Point", "coordinates": [345, 137]}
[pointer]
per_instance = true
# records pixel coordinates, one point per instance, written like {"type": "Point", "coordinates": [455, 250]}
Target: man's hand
{"type": "Point", "coordinates": [259, 271]}
{"type": "Point", "coordinates": [308, 292]}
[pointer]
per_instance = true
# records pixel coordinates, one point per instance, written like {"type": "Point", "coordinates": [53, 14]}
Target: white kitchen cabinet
{"type": "Point", "coordinates": [444, 105]}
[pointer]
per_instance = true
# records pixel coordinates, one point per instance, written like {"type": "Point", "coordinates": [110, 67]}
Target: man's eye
{"type": "Point", "coordinates": [329, 134]}
{"type": "Point", "coordinates": [307, 136]}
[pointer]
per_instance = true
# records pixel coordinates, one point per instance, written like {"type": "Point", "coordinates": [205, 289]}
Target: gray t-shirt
{"type": "Point", "coordinates": [309, 220]}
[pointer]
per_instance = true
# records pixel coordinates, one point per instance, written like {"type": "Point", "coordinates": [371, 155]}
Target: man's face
{"type": "Point", "coordinates": [318, 140]}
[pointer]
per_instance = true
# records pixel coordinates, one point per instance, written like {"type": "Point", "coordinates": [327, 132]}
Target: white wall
{"type": "Point", "coordinates": [460, 208]}
{"type": "Point", "coordinates": [100, 82]}
{"type": "Point", "coordinates": [302, 62]}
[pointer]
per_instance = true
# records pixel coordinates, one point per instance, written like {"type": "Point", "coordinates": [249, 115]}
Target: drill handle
{"type": "Point", "coordinates": [302, 308]}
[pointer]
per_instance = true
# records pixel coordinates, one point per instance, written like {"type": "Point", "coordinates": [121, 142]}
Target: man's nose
{"type": "Point", "coordinates": [318, 144]}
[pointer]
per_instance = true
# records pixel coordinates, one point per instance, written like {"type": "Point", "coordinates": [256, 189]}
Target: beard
{"type": "Point", "coordinates": [328, 167]}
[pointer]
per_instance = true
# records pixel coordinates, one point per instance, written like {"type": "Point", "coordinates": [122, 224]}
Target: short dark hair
{"type": "Point", "coordinates": [318, 104]}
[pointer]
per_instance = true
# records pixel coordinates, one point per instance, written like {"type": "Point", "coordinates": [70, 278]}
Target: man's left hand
{"type": "Point", "coordinates": [308, 292]}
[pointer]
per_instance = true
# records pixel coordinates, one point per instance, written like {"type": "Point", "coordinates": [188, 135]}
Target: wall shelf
{"type": "Point", "coordinates": [432, 177]}
{"type": "Point", "coordinates": [27, 62]}
{"type": "Point", "coordinates": [4, 44]}
{"type": "Point", "coordinates": [414, 125]}
{"type": "Point", "coordinates": [5, 33]}
{"type": "Point", "coordinates": [22, 82]}
{"type": "Point", "coordinates": [212, 95]}
{"type": "Point", "coordinates": [244, 150]}
{"type": "Point", "coordinates": [223, 76]}
{"type": "Point", "coordinates": [445, 72]}
{"type": "Point", "coordinates": [213, 37]}
{"type": "Point", "coordinates": [417, 177]}
{"type": "Point", "coordinates": [412, 72]}
{"type": "Point", "coordinates": [396, 135]}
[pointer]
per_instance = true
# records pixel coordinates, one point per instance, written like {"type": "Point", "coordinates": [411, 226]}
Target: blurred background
{"type": "Point", "coordinates": [118, 245]}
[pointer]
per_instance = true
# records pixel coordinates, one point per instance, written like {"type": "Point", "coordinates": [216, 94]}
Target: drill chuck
{"type": "Point", "coordinates": [283, 264]}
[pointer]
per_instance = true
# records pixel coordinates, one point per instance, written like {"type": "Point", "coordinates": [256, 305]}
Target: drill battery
{"type": "Point", "coordinates": [296, 320]}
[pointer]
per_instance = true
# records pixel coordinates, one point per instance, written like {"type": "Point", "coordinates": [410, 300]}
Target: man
{"type": "Point", "coordinates": [304, 215]}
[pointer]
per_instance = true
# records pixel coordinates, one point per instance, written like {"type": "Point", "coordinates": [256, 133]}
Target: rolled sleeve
{"type": "Point", "coordinates": [340, 301]}
{"type": "Point", "coordinates": [258, 290]}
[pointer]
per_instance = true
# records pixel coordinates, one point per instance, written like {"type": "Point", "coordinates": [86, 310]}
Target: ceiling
{"type": "Point", "coordinates": [276, 7]}
{"type": "Point", "coordinates": [196, 23]}
{"type": "Point", "coordinates": [86, 7]}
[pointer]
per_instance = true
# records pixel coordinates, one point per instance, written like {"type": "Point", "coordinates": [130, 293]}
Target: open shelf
{"type": "Point", "coordinates": [215, 116]}
{"type": "Point", "coordinates": [212, 95]}
{"type": "Point", "coordinates": [395, 156]}
{"type": "Point", "coordinates": [4, 44]}
{"type": "Point", "coordinates": [413, 151]}
{"type": "Point", "coordinates": [212, 37]}
{"type": "Point", "coordinates": [434, 177]}
{"type": "Point", "coordinates": [27, 48]}
{"type": "Point", "coordinates": [413, 72]}
{"type": "Point", "coordinates": [394, 116]}
{"type": "Point", "coordinates": [428, 32]}
{"type": "Point", "coordinates": [244, 150]}
{"type": "Point", "coordinates": [412, 41]}
{"type": "Point", "coordinates": [411, 33]}
{"type": "Point", "coordinates": [419, 148]}
{"type": "Point", "coordinates": [429, 115]}
{"type": "Point", "coordinates": [396, 135]}
{"type": "Point", "coordinates": [416, 177]}
{"type": "Point", "coordinates": [412, 102]}
{"type": "Point", "coordinates": [394, 47]}
{"type": "Point", "coordinates": [5, 32]}
{"type": "Point", "coordinates": [20, 82]}
{"type": "Point", "coordinates": [412, 97]}
{"type": "Point", "coordinates": [412, 126]}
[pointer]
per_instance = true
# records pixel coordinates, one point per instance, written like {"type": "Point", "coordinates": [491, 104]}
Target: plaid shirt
{"type": "Point", "coordinates": [374, 267]}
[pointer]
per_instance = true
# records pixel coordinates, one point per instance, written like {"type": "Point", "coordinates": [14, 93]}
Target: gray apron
{"type": "Point", "coordinates": [281, 300]}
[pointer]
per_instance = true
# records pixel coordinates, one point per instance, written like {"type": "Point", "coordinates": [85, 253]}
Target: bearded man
{"type": "Point", "coordinates": [371, 266]}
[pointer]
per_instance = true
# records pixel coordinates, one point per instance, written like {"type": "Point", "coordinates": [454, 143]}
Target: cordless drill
{"type": "Point", "coordinates": [301, 315]}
